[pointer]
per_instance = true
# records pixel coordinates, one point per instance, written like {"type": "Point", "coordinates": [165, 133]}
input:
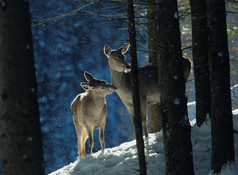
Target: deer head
{"type": "Point", "coordinates": [116, 58]}
{"type": "Point", "coordinates": [99, 87]}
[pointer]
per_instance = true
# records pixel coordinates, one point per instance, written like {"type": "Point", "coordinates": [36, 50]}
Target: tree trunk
{"type": "Point", "coordinates": [176, 126]}
{"type": "Point", "coordinates": [155, 120]}
{"type": "Point", "coordinates": [20, 138]}
{"type": "Point", "coordinates": [135, 89]}
{"type": "Point", "coordinates": [200, 60]}
{"type": "Point", "coordinates": [221, 112]}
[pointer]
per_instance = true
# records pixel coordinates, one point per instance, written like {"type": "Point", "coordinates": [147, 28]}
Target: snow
{"type": "Point", "coordinates": [123, 160]}
{"type": "Point", "coordinates": [220, 54]}
{"type": "Point", "coordinates": [235, 120]}
{"type": "Point", "coordinates": [120, 160]}
{"type": "Point", "coordinates": [176, 101]}
{"type": "Point", "coordinates": [176, 14]}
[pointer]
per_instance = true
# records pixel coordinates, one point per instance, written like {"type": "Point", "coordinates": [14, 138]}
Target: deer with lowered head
{"type": "Point", "coordinates": [89, 111]}
{"type": "Point", "coordinates": [148, 81]}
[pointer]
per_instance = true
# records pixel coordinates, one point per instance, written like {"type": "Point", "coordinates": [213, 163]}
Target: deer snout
{"type": "Point", "coordinates": [127, 69]}
{"type": "Point", "coordinates": [112, 88]}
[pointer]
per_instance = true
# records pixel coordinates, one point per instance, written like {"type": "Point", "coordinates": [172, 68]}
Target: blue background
{"type": "Point", "coordinates": [64, 49]}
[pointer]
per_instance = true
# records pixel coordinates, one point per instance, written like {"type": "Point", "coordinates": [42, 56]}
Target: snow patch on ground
{"type": "Point", "coordinates": [122, 160]}
{"type": "Point", "coordinates": [235, 120]}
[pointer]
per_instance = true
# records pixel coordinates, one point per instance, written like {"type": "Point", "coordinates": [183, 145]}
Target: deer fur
{"type": "Point", "coordinates": [89, 111]}
{"type": "Point", "coordinates": [148, 81]}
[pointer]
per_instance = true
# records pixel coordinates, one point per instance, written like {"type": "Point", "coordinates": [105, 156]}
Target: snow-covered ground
{"type": "Point", "coordinates": [122, 160]}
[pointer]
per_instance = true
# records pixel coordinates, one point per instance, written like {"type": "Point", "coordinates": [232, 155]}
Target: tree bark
{"type": "Point", "coordinates": [200, 60]}
{"type": "Point", "coordinates": [135, 89]}
{"type": "Point", "coordinates": [155, 120]}
{"type": "Point", "coordinates": [20, 137]}
{"type": "Point", "coordinates": [176, 126]}
{"type": "Point", "coordinates": [221, 112]}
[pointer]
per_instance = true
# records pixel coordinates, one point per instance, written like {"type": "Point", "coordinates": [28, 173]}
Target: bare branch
{"type": "Point", "coordinates": [61, 16]}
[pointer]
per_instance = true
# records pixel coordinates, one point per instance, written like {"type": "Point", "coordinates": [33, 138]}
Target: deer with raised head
{"type": "Point", "coordinates": [148, 81]}
{"type": "Point", "coordinates": [89, 111]}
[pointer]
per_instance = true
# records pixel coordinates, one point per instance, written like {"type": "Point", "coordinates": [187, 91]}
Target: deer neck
{"type": "Point", "coordinates": [96, 99]}
{"type": "Point", "coordinates": [122, 81]}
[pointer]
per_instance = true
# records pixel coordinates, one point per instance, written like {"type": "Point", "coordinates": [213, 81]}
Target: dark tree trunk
{"type": "Point", "coordinates": [135, 89]}
{"type": "Point", "coordinates": [176, 126]}
{"type": "Point", "coordinates": [20, 138]}
{"type": "Point", "coordinates": [155, 120]}
{"type": "Point", "coordinates": [221, 112]}
{"type": "Point", "coordinates": [200, 59]}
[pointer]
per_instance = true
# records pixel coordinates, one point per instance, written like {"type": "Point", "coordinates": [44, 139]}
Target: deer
{"type": "Point", "coordinates": [90, 110]}
{"type": "Point", "coordinates": [149, 91]}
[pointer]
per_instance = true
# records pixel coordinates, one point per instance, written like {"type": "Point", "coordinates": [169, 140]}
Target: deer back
{"type": "Point", "coordinates": [148, 76]}
{"type": "Point", "coordinates": [89, 110]}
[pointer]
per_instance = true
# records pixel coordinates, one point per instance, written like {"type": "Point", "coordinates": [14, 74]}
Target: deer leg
{"type": "Point", "coordinates": [79, 132]}
{"type": "Point", "coordinates": [79, 147]}
{"type": "Point", "coordinates": [143, 117]}
{"type": "Point", "coordinates": [101, 137]}
{"type": "Point", "coordinates": [131, 109]}
{"type": "Point", "coordinates": [144, 123]}
{"type": "Point", "coordinates": [85, 136]}
{"type": "Point", "coordinates": [81, 141]}
{"type": "Point", "coordinates": [90, 136]}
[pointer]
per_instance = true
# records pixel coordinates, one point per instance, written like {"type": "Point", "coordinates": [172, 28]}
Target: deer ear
{"type": "Point", "coordinates": [125, 48]}
{"type": "Point", "coordinates": [88, 76]}
{"type": "Point", "coordinates": [85, 86]}
{"type": "Point", "coordinates": [107, 50]}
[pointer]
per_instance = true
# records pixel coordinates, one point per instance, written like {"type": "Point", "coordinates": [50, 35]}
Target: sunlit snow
{"type": "Point", "coordinates": [122, 160]}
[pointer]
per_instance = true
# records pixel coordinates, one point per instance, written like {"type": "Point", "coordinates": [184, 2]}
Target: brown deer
{"type": "Point", "coordinates": [90, 110]}
{"type": "Point", "coordinates": [148, 81]}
